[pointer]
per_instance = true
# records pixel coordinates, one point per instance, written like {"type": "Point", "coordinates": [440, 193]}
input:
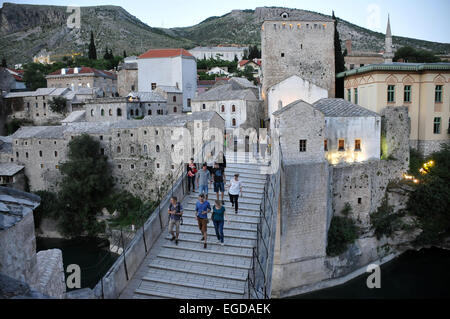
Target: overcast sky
{"type": "Point", "coordinates": [421, 19]}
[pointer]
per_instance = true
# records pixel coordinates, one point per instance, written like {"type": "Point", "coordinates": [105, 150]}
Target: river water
{"type": "Point", "coordinates": [414, 274]}
{"type": "Point", "coordinates": [92, 255]}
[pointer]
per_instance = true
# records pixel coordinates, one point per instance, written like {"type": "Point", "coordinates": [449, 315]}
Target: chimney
{"type": "Point", "coordinates": [348, 46]}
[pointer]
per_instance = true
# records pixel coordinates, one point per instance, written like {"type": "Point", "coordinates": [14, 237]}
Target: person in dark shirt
{"type": "Point", "coordinates": [175, 215]}
{"type": "Point", "coordinates": [218, 175]}
{"type": "Point", "coordinates": [202, 208]}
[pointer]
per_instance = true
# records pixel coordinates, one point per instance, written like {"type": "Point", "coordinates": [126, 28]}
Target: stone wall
{"type": "Point", "coordinates": [127, 80]}
{"type": "Point", "coordinates": [18, 249]}
{"type": "Point", "coordinates": [50, 273]}
{"type": "Point", "coordinates": [306, 51]}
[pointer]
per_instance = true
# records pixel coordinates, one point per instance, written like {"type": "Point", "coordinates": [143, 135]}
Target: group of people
{"type": "Point", "coordinates": [202, 178]}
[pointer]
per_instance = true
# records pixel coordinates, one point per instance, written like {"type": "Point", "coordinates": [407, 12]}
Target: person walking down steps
{"type": "Point", "coordinates": [218, 175]}
{"type": "Point", "coordinates": [192, 170]}
{"type": "Point", "coordinates": [203, 177]}
{"type": "Point", "coordinates": [219, 216]}
{"type": "Point", "coordinates": [202, 207]}
{"type": "Point", "coordinates": [175, 215]}
{"type": "Point", "coordinates": [234, 190]}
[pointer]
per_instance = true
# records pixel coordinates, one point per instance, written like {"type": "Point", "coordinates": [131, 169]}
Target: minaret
{"type": "Point", "coordinates": [388, 54]}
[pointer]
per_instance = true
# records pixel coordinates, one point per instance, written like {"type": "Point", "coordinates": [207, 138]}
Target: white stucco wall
{"type": "Point", "coordinates": [173, 71]}
{"type": "Point", "coordinates": [292, 89]}
{"type": "Point", "coordinates": [366, 129]}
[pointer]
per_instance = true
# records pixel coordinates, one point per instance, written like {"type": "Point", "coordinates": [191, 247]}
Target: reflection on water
{"type": "Point", "coordinates": [92, 255]}
{"type": "Point", "coordinates": [415, 274]}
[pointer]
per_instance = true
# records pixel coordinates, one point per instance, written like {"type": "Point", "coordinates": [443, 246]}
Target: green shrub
{"type": "Point", "coordinates": [384, 221]}
{"type": "Point", "coordinates": [343, 232]}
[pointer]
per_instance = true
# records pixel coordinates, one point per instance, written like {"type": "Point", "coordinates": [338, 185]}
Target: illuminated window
{"type": "Point", "coordinates": [357, 145]}
{"type": "Point", "coordinates": [341, 144]}
{"type": "Point", "coordinates": [325, 145]}
{"type": "Point", "coordinates": [302, 145]}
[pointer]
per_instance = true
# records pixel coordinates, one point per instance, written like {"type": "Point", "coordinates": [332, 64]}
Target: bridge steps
{"type": "Point", "coordinates": [189, 271]}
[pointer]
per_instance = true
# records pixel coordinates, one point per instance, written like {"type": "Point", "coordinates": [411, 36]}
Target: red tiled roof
{"type": "Point", "coordinates": [164, 53]}
{"type": "Point", "coordinates": [243, 62]}
{"type": "Point", "coordinates": [87, 70]}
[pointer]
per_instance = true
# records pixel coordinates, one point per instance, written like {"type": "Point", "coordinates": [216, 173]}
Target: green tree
{"type": "Point", "coordinates": [343, 232]}
{"type": "Point", "coordinates": [86, 182]}
{"type": "Point", "coordinates": [92, 50]}
{"type": "Point", "coordinates": [412, 55]}
{"type": "Point", "coordinates": [339, 60]}
{"type": "Point", "coordinates": [34, 75]}
{"type": "Point", "coordinates": [58, 104]}
{"type": "Point", "coordinates": [49, 207]}
{"type": "Point", "coordinates": [430, 201]}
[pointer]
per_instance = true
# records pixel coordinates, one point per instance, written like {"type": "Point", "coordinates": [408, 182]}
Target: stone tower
{"type": "Point", "coordinates": [388, 54]}
{"type": "Point", "coordinates": [301, 44]}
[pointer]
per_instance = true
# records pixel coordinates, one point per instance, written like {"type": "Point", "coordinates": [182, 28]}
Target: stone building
{"type": "Point", "coordinates": [314, 189]}
{"type": "Point", "coordinates": [84, 77]}
{"type": "Point", "coordinates": [174, 98]}
{"type": "Point", "coordinates": [223, 53]}
{"type": "Point", "coordinates": [44, 270]}
{"type": "Point", "coordinates": [11, 80]}
{"type": "Point", "coordinates": [168, 67]}
{"type": "Point", "coordinates": [12, 175]}
{"type": "Point", "coordinates": [301, 45]}
{"type": "Point", "coordinates": [141, 153]}
{"type": "Point", "coordinates": [236, 103]}
{"type": "Point", "coordinates": [127, 76]}
{"type": "Point", "coordinates": [34, 105]}
{"type": "Point", "coordinates": [291, 89]}
{"type": "Point", "coordinates": [356, 59]}
{"type": "Point", "coordinates": [422, 87]}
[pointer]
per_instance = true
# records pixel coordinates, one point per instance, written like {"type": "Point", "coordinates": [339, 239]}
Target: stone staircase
{"type": "Point", "coordinates": [187, 270]}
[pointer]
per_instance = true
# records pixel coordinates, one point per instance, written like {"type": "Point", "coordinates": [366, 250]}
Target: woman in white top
{"type": "Point", "coordinates": [234, 190]}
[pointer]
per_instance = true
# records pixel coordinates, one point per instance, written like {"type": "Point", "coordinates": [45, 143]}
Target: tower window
{"type": "Point", "coordinates": [302, 145]}
{"type": "Point", "coordinates": [282, 55]}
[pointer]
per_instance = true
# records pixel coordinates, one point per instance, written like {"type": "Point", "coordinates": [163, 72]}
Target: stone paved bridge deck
{"type": "Point", "coordinates": [188, 271]}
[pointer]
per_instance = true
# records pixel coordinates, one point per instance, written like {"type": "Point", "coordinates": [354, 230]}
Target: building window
{"type": "Point", "coordinates": [189, 102]}
{"type": "Point", "coordinates": [131, 113]}
{"type": "Point", "coordinates": [174, 98]}
{"type": "Point", "coordinates": [157, 149]}
{"type": "Point", "coordinates": [233, 108]}
{"type": "Point", "coordinates": [233, 122]}
{"type": "Point", "coordinates": [119, 166]}
{"type": "Point", "coordinates": [132, 166]}
{"type": "Point", "coordinates": [172, 147]}
{"type": "Point", "coordinates": [157, 165]}
{"type": "Point", "coordinates": [40, 153]}
{"type": "Point", "coordinates": [437, 125]}
{"type": "Point", "coordinates": [349, 95]}
{"type": "Point", "coordinates": [119, 112]}
{"type": "Point", "coordinates": [438, 94]}
{"type": "Point", "coordinates": [17, 154]}
{"type": "Point", "coordinates": [391, 94]}
{"type": "Point", "coordinates": [175, 109]}
{"type": "Point", "coordinates": [222, 109]}
{"type": "Point", "coordinates": [204, 106]}
{"type": "Point", "coordinates": [149, 112]}
{"type": "Point", "coordinates": [357, 145]}
{"type": "Point", "coordinates": [145, 149]}
{"type": "Point", "coordinates": [119, 150]}
{"type": "Point", "coordinates": [282, 55]}
{"type": "Point", "coordinates": [26, 154]}
{"type": "Point", "coordinates": [132, 150]}
{"type": "Point", "coordinates": [92, 112]}
{"type": "Point", "coordinates": [302, 145]}
{"type": "Point", "coordinates": [102, 151]}
{"type": "Point", "coordinates": [352, 66]}
{"type": "Point", "coordinates": [156, 132]}
{"type": "Point", "coordinates": [356, 96]}
{"type": "Point", "coordinates": [102, 112]}
{"type": "Point", "coordinates": [56, 154]}
{"type": "Point", "coordinates": [110, 112]}
{"type": "Point", "coordinates": [359, 200]}
{"type": "Point", "coordinates": [101, 137]}
{"type": "Point", "coordinates": [153, 86]}
{"type": "Point", "coordinates": [341, 145]}
{"type": "Point", "coordinates": [325, 145]}
{"type": "Point", "coordinates": [407, 94]}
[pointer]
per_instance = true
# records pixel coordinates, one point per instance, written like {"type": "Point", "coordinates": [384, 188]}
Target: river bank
{"type": "Point", "coordinates": [413, 274]}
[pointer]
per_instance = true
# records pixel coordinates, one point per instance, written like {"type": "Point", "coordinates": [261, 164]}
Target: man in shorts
{"type": "Point", "coordinates": [202, 208]}
{"type": "Point", "coordinates": [218, 175]}
{"type": "Point", "coordinates": [175, 215]}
